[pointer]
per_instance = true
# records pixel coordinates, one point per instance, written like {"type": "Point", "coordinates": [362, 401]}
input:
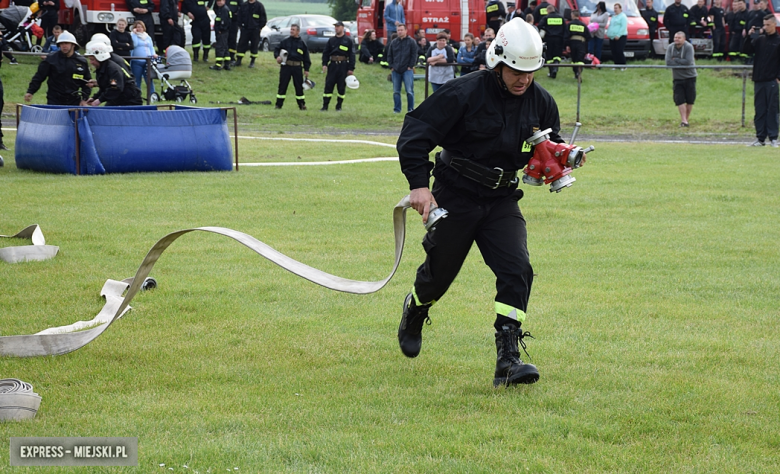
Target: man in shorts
{"type": "Point", "coordinates": [680, 53]}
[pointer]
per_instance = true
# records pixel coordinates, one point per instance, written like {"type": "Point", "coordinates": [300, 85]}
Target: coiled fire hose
{"type": "Point", "coordinates": [56, 341]}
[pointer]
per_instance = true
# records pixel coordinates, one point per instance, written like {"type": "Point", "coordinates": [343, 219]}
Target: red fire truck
{"type": "Point", "coordinates": [84, 18]}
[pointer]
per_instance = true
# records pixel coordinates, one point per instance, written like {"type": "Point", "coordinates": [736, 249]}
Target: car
{"type": "Point", "coordinates": [316, 30]}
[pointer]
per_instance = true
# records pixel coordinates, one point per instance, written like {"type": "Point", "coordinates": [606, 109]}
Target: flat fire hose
{"type": "Point", "coordinates": [56, 341]}
{"type": "Point", "coordinates": [25, 253]}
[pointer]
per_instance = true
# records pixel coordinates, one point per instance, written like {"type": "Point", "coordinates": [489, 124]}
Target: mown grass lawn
{"type": "Point", "coordinates": [654, 311]}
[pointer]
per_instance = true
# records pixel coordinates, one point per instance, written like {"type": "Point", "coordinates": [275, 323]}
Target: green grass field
{"type": "Point", "coordinates": [654, 311]}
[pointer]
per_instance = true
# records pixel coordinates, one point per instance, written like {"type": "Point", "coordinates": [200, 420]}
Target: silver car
{"type": "Point", "coordinates": [316, 30]}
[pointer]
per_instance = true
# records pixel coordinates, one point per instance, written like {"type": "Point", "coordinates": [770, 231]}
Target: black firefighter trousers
{"type": "Point", "coordinates": [498, 228]}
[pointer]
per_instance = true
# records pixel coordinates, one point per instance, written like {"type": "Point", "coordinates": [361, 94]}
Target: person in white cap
{"type": "Point", "coordinates": [481, 120]}
{"type": "Point", "coordinates": [116, 86]}
{"type": "Point", "coordinates": [66, 73]}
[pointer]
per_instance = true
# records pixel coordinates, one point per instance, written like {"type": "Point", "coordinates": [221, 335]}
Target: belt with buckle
{"type": "Point", "coordinates": [293, 63]}
{"type": "Point", "coordinates": [493, 178]}
{"type": "Point", "coordinates": [338, 59]}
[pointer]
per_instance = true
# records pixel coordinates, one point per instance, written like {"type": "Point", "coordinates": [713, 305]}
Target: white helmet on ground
{"type": "Point", "coordinates": [97, 49]}
{"type": "Point", "coordinates": [67, 37]}
{"type": "Point", "coordinates": [518, 45]}
{"type": "Point", "coordinates": [352, 82]}
{"type": "Point", "coordinates": [103, 39]}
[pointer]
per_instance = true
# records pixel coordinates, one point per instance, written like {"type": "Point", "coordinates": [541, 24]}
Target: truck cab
{"type": "Point", "coordinates": [638, 43]}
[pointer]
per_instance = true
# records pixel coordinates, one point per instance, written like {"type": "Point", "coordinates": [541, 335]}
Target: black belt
{"type": "Point", "coordinates": [338, 59]}
{"type": "Point", "coordinates": [493, 178]}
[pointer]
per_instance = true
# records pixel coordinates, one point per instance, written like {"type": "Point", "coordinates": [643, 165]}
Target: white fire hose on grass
{"type": "Point", "coordinates": [56, 341]}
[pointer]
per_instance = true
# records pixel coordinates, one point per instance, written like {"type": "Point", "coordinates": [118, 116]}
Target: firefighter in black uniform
{"type": "Point", "coordinates": [252, 18]}
{"type": "Point", "coordinates": [197, 10]}
{"type": "Point", "coordinates": [67, 74]}
{"type": "Point", "coordinates": [576, 39]}
{"type": "Point", "coordinates": [481, 120]}
{"type": "Point", "coordinates": [540, 11]}
{"type": "Point", "coordinates": [737, 21]}
{"type": "Point", "coordinates": [294, 66]}
{"type": "Point", "coordinates": [676, 18]}
{"type": "Point", "coordinates": [50, 10]}
{"type": "Point", "coordinates": [222, 23]}
{"type": "Point", "coordinates": [698, 19]}
{"type": "Point", "coordinates": [651, 18]}
{"type": "Point", "coordinates": [142, 10]}
{"type": "Point", "coordinates": [495, 14]}
{"type": "Point", "coordinates": [553, 29]}
{"type": "Point", "coordinates": [234, 6]}
{"type": "Point", "coordinates": [173, 33]}
{"type": "Point", "coordinates": [718, 30]}
{"type": "Point", "coordinates": [116, 86]}
{"type": "Point", "coordinates": [338, 60]}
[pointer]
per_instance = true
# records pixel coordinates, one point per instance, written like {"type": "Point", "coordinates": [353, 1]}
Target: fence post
{"type": "Point", "coordinates": [744, 86]}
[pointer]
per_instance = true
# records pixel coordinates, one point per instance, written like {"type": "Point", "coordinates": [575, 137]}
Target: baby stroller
{"type": "Point", "coordinates": [178, 66]}
{"type": "Point", "coordinates": [19, 24]}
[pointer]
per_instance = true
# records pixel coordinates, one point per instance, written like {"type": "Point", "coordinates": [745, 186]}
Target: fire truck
{"type": "Point", "coordinates": [433, 16]}
{"type": "Point", "coordinates": [84, 18]}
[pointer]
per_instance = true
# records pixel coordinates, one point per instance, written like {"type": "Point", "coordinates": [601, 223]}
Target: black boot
{"type": "Point", "coordinates": [410, 329]}
{"type": "Point", "coordinates": [206, 55]}
{"type": "Point", "coordinates": [325, 104]}
{"type": "Point", "coordinates": [252, 63]}
{"type": "Point", "coordinates": [339, 101]}
{"type": "Point", "coordinates": [302, 104]}
{"type": "Point", "coordinates": [238, 61]}
{"type": "Point", "coordinates": [510, 370]}
{"type": "Point", "coordinates": [279, 103]}
{"type": "Point", "coordinates": [195, 53]}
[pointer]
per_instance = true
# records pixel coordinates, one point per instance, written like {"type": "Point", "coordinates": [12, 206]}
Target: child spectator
{"type": "Point", "coordinates": [466, 54]}
{"type": "Point", "coordinates": [441, 53]}
{"type": "Point", "coordinates": [51, 42]}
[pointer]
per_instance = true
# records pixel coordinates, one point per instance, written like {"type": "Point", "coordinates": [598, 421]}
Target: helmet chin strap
{"type": "Point", "coordinates": [500, 77]}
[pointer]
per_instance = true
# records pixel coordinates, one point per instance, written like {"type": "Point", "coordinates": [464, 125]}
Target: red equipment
{"type": "Point", "coordinates": [553, 162]}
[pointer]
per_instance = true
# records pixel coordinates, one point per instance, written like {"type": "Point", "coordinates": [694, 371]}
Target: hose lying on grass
{"type": "Point", "coordinates": [56, 341]}
{"type": "Point", "coordinates": [26, 253]}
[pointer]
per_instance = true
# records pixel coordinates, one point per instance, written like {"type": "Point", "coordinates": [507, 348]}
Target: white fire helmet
{"type": "Point", "coordinates": [308, 84]}
{"type": "Point", "coordinates": [283, 54]}
{"type": "Point", "coordinates": [67, 37]}
{"type": "Point", "coordinates": [103, 39]}
{"type": "Point", "coordinates": [518, 45]}
{"type": "Point", "coordinates": [97, 49]}
{"type": "Point", "coordinates": [352, 82]}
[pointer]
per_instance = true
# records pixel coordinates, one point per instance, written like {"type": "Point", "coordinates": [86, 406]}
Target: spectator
{"type": "Point", "coordinates": [756, 16]}
{"type": "Point", "coordinates": [115, 86]}
{"type": "Point", "coordinates": [371, 50]}
{"type": "Point", "coordinates": [495, 14]}
{"type": "Point", "coordinates": [480, 61]}
{"type": "Point", "coordinates": [50, 10]}
{"type": "Point", "coordinates": [766, 74]}
{"type": "Point", "coordinates": [737, 21]}
{"type": "Point", "coordinates": [402, 56]}
{"type": "Point", "coordinates": [441, 53]}
{"type": "Point", "coordinates": [651, 18]}
{"type": "Point", "coordinates": [422, 51]}
{"type": "Point", "coordinates": [552, 29]}
{"type": "Point", "coordinates": [394, 16]}
{"type": "Point", "coordinates": [252, 18]}
{"type": "Point", "coordinates": [466, 54]}
{"type": "Point", "coordinates": [530, 20]}
{"type": "Point", "coordinates": [577, 37]}
{"type": "Point", "coordinates": [676, 18]}
{"type": "Point", "coordinates": [221, 32]}
{"type": "Point", "coordinates": [698, 19]}
{"type": "Point", "coordinates": [453, 44]}
{"type": "Point", "coordinates": [142, 10]}
{"type": "Point", "coordinates": [200, 28]}
{"type": "Point", "coordinates": [718, 25]}
{"type": "Point", "coordinates": [51, 42]}
{"type": "Point", "coordinates": [618, 35]}
{"type": "Point", "coordinates": [66, 73]}
{"type": "Point", "coordinates": [680, 53]}
{"type": "Point", "coordinates": [601, 18]}
{"type": "Point", "coordinates": [511, 12]}
{"type": "Point", "coordinates": [296, 64]}
{"type": "Point", "coordinates": [338, 60]}
{"type": "Point", "coordinates": [121, 39]}
{"type": "Point", "coordinates": [529, 10]}
{"type": "Point", "coordinates": [142, 48]}
{"type": "Point", "coordinates": [173, 33]}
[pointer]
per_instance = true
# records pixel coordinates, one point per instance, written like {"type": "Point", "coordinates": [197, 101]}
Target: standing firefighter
{"type": "Point", "coordinates": [66, 73]}
{"type": "Point", "coordinates": [495, 14]}
{"type": "Point", "coordinates": [577, 37]}
{"type": "Point", "coordinates": [293, 55]}
{"type": "Point", "coordinates": [234, 6]}
{"type": "Point", "coordinates": [553, 30]}
{"type": "Point", "coordinates": [197, 10]}
{"type": "Point", "coordinates": [222, 23]}
{"type": "Point", "coordinates": [142, 10]}
{"type": "Point", "coordinates": [481, 120]}
{"type": "Point", "coordinates": [341, 55]}
{"type": "Point", "coordinates": [252, 18]}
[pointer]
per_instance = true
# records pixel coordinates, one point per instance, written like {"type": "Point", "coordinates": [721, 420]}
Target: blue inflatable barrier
{"type": "Point", "coordinates": [123, 139]}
